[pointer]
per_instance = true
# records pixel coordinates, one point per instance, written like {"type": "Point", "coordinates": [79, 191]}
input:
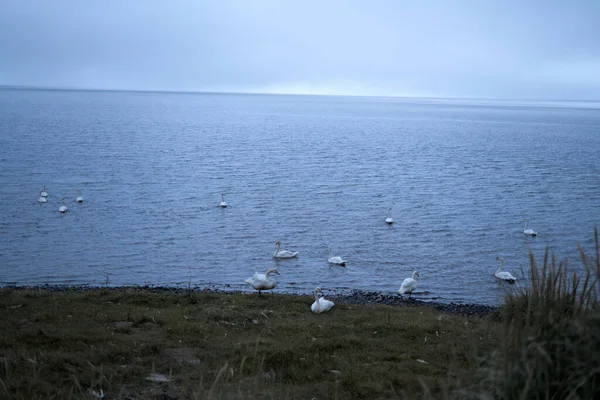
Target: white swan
{"type": "Point", "coordinates": [283, 253]}
{"type": "Point", "coordinates": [389, 220]}
{"type": "Point", "coordinates": [409, 284]}
{"type": "Point", "coordinates": [528, 231]}
{"type": "Point", "coordinates": [504, 275]}
{"type": "Point", "coordinates": [321, 305]}
{"type": "Point", "coordinates": [79, 198]}
{"type": "Point", "coordinates": [43, 193]}
{"type": "Point", "coordinates": [42, 199]}
{"type": "Point", "coordinates": [223, 203]}
{"type": "Point", "coordinates": [337, 260]}
{"type": "Point", "coordinates": [263, 281]}
{"type": "Point", "coordinates": [62, 207]}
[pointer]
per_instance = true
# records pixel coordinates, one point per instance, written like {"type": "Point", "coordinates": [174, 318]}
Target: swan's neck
{"type": "Point", "coordinates": [329, 251]}
{"type": "Point", "coordinates": [526, 224]}
{"type": "Point", "coordinates": [278, 247]}
{"type": "Point", "coordinates": [389, 212]}
{"type": "Point", "coordinates": [501, 265]}
{"type": "Point", "coordinates": [414, 275]}
{"type": "Point", "coordinates": [316, 295]}
{"type": "Point", "coordinates": [222, 197]}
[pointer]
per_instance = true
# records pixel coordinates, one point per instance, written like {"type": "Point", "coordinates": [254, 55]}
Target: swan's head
{"type": "Point", "coordinates": [273, 271]}
{"type": "Point", "coordinates": [79, 191]}
{"type": "Point", "coordinates": [319, 290]}
{"type": "Point", "coordinates": [416, 274]}
{"type": "Point", "coordinates": [278, 242]}
{"type": "Point", "coordinates": [499, 259]}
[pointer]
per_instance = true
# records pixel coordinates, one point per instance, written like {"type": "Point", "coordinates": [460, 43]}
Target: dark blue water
{"type": "Point", "coordinates": [310, 171]}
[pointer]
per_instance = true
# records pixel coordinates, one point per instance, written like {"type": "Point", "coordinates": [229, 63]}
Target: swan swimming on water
{"type": "Point", "coordinates": [337, 260]}
{"type": "Point", "coordinates": [283, 253]}
{"type": "Point", "coordinates": [389, 220]}
{"type": "Point", "coordinates": [321, 305]}
{"type": "Point", "coordinates": [223, 203]}
{"type": "Point", "coordinates": [504, 275]}
{"type": "Point", "coordinates": [42, 199]}
{"type": "Point", "coordinates": [79, 198]}
{"type": "Point", "coordinates": [528, 231]}
{"type": "Point", "coordinates": [62, 208]}
{"type": "Point", "coordinates": [263, 281]}
{"type": "Point", "coordinates": [409, 284]}
{"type": "Point", "coordinates": [43, 193]}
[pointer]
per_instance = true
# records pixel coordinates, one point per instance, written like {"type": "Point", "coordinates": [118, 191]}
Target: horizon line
{"type": "Point", "coordinates": [180, 91]}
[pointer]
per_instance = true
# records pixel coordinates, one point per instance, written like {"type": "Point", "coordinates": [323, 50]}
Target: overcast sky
{"type": "Point", "coordinates": [544, 49]}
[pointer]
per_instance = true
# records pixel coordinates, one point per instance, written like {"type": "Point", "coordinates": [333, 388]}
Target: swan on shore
{"type": "Point", "coordinates": [42, 199]}
{"type": "Point", "coordinates": [337, 260]}
{"type": "Point", "coordinates": [62, 208]}
{"type": "Point", "coordinates": [321, 305]}
{"type": "Point", "coordinates": [43, 193]}
{"type": "Point", "coordinates": [504, 275]}
{"type": "Point", "coordinates": [389, 220]}
{"type": "Point", "coordinates": [283, 253]}
{"type": "Point", "coordinates": [409, 284]}
{"type": "Point", "coordinates": [528, 231]}
{"type": "Point", "coordinates": [263, 281]}
{"type": "Point", "coordinates": [79, 198]}
{"type": "Point", "coordinates": [223, 203]}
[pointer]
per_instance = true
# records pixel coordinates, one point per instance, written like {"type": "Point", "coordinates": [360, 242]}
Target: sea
{"type": "Point", "coordinates": [459, 175]}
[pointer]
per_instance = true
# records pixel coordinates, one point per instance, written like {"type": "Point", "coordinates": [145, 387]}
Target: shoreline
{"type": "Point", "coordinates": [354, 297]}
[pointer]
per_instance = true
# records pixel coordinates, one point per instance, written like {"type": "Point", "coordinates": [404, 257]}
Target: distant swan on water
{"type": "Point", "coordinates": [42, 199]}
{"type": "Point", "coordinates": [409, 284]}
{"type": "Point", "coordinates": [223, 203]}
{"type": "Point", "coordinates": [504, 275]}
{"type": "Point", "coordinates": [337, 260]}
{"type": "Point", "coordinates": [62, 208]}
{"type": "Point", "coordinates": [43, 193]}
{"type": "Point", "coordinates": [263, 281]}
{"type": "Point", "coordinates": [389, 220]}
{"type": "Point", "coordinates": [79, 198]}
{"type": "Point", "coordinates": [283, 253]}
{"type": "Point", "coordinates": [528, 231]}
{"type": "Point", "coordinates": [321, 305]}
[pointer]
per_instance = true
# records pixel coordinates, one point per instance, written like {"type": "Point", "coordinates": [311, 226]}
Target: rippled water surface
{"type": "Point", "coordinates": [310, 171]}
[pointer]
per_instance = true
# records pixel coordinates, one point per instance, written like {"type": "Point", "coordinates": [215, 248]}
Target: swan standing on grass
{"type": "Point", "coordinates": [337, 260]}
{"type": "Point", "coordinates": [528, 231]}
{"type": "Point", "coordinates": [62, 208]}
{"type": "Point", "coordinates": [504, 275]}
{"type": "Point", "coordinates": [321, 305]}
{"type": "Point", "coordinates": [223, 203]}
{"type": "Point", "coordinates": [79, 198]}
{"type": "Point", "coordinates": [42, 199]}
{"type": "Point", "coordinates": [43, 193]}
{"type": "Point", "coordinates": [409, 284]}
{"type": "Point", "coordinates": [263, 281]}
{"type": "Point", "coordinates": [389, 220]}
{"type": "Point", "coordinates": [283, 253]}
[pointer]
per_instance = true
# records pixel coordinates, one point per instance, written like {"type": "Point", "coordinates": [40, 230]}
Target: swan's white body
{"type": "Point", "coordinates": [504, 275]}
{"type": "Point", "coordinates": [409, 284]}
{"type": "Point", "coordinates": [337, 260]}
{"type": "Point", "coordinates": [321, 305]}
{"type": "Point", "coordinates": [79, 198]}
{"type": "Point", "coordinates": [263, 281]}
{"type": "Point", "coordinates": [62, 207]}
{"type": "Point", "coordinates": [283, 253]}
{"type": "Point", "coordinates": [43, 193]}
{"type": "Point", "coordinates": [223, 203]}
{"type": "Point", "coordinates": [528, 231]}
{"type": "Point", "coordinates": [389, 220]}
{"type": "Point", "coordinates": [42, 199]}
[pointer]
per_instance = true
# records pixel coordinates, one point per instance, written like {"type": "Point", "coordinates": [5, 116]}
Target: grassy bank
{"type": "Point", "coordinates": [66, 344]}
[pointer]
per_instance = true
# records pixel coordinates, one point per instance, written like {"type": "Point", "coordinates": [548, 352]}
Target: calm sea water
{"type": "Point", "coordinates": [309, 171]}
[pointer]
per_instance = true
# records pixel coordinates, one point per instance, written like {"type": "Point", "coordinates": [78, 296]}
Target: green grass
{"type": "Point", "coordinates": [62, 344]}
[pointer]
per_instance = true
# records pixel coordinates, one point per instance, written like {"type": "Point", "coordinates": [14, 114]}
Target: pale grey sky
{"type": "Point", "coordinates": [455, 48]}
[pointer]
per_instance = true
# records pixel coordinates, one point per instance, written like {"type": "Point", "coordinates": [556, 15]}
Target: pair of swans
{"type": "Point", "coordinates": [504, 275]}
{"type": "Point", "coordinates": [262, 282]}
{"type": "Point", "coordinates": [43, 195]}
{"type": "Point", "coordinates": [409, 284]}
{"type": "Point", "coordinates": [528, 231]}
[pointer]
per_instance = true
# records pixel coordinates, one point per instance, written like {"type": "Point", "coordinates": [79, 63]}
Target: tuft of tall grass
{"type": "Point", "coordinates": [550, 343]}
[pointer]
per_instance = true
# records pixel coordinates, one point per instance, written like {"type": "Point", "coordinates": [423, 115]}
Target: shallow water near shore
{"type": "Point", "coordinates": [310, 171]}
